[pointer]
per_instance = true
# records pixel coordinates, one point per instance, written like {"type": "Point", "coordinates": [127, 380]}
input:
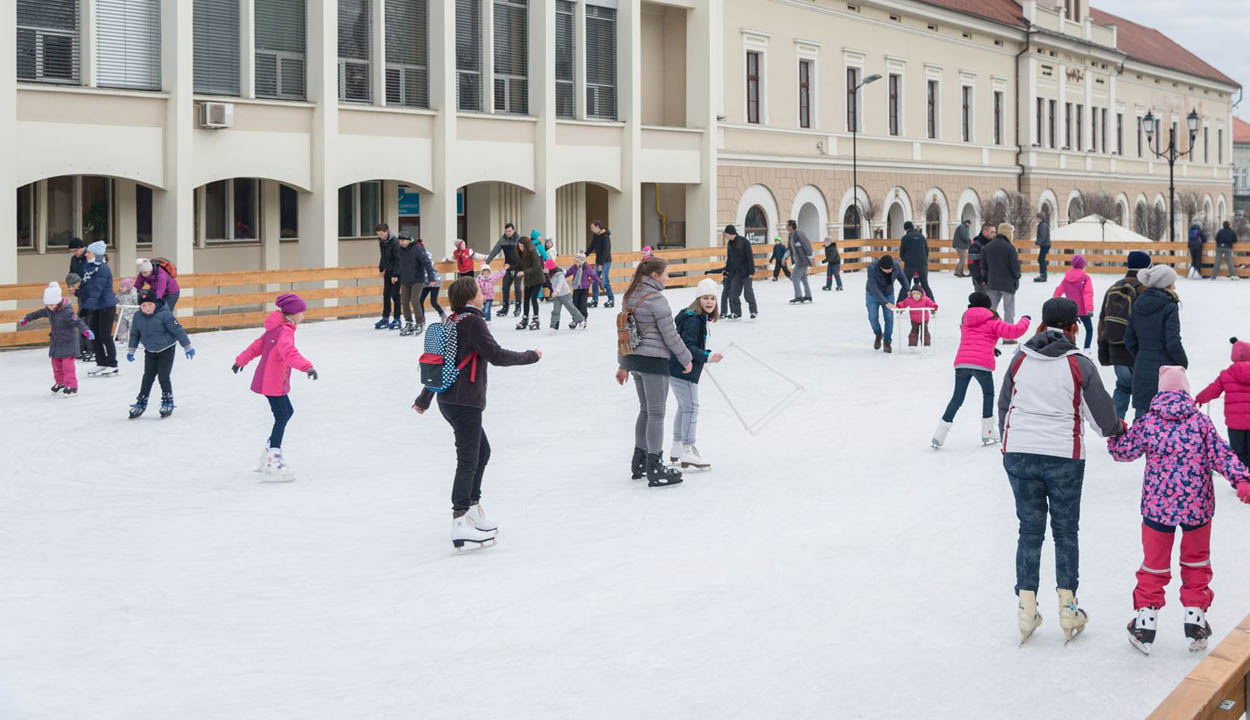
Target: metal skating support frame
{"type": "Point", "coordinates": [755, 427]}
{"type": "Point", "coordinates": [902, 319]}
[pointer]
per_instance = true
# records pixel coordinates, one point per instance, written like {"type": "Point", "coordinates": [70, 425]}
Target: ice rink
{"type": "Point", "coordinates": [831, 566]}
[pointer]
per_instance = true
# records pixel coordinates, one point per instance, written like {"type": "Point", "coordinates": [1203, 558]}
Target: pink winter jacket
{"type": "Point", "coordinates": [924, 302]}
{"type": "Point", "coordinates": [979, 333]}
{"type": "Point", "coordinates": [278, 355]}
{"type": "Point", "coordinates": [1234, 384]}
{"type": "Point", "coordinates": [1079, 288]}
{"type": "Point", "coordinates": [487, 281]}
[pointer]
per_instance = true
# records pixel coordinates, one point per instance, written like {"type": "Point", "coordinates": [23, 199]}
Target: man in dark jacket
{"type": "Point", "coordinates": [913, 250]}
{"type": "Point", "coordinates": [387, 245]}
{"type": "Point", "coordinates": [976, 269]}
{"type": "Point", "coordinates": [1197, 238]}
{"type": "Point", "coordinates": [1002, 272]}
{"type": "Point", "coordinates": [1154, 333]}
{"type": "Point", "coordinates": [1043, 246]}
{"type": "Point", "coordinates": [740, 267]}
{"type": "Point", "coordinates": [77, 256]}
{"type": "Point", "coordinates": [801, 255]}
{"type": "Point", "coordinates": [511, 267]}
{"type": "Point", "coordinates": [413, 269]}
{"type": "Point", "coordinates": [1113, 319]}
{"type": "Point", "coordinates": [1224, 241]}
{"type": "Point", "coordinates": [960, 243]}
{"type": "Point", "coordinates": [879, 297]}
{"type": "Point", "coordinates": [601, 246]}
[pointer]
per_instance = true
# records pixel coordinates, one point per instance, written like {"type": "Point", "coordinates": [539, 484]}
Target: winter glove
{"type": "Point", "coordinates": [312, 374]}
{"type": "Point", "coordinates": [22, 322]}
{"type": "Point", "coordinates": [1243, 492]}
{"type": "Point", "coordinates": [235, 369]}
{"type": "Point", "coordinates": [130, 356]}
{"type": "Point", "coordinates": [190, 353]}
{"type": "Point", "coordinates": [89, 335]}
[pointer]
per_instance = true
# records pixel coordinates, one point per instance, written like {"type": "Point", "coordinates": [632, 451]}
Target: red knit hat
{"type": "Point", "coordinates": [1241, 350]}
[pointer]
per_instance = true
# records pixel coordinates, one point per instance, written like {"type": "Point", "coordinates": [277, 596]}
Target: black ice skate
{"type": "Point", "coordinates": [1197, 629]}
{"type": "Point", "coordinates": [57, 388]}
{"type": "Point", "coordinates": [525, 322]}
{"type": "Point", "coordinates": [659, 475]}
{"type": "Point", "coordinates": [638, 464]}
{"type": "Point", "coordinates": [503, 312]}
{"type": "Point", "coordinates": [1142, 628]}
{"type": "Point", "coordinates": [167, 404]}
{"type": "Point", "coordinates": [141, 404]}
{"type": "Point", "coordinates": [534, 324]}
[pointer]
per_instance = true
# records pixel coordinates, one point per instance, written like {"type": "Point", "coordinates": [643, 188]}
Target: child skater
{"type": "Point", "coordinates": [464, 258]}
{"type": "Point", "coordinates": [63, 340]}
{"type": "Point", "coordinates": [486, 280]}
{"type": "Point", "coordinates": [1181, 447]}
{"type": "Point", "coordinates": [917, 299]}
{"type": "Point", "coordinates": [692, 327]}
{"type": "Point", "coordinates": [778, 257]}
{"type": "Point", "coordinates": [462, 405]}
{"type": "Point", "coordinates": [562, 298]}
{"type": "Point", "coordinates": [127, 306]}
{"type": "Point", "coordinates": [432, 287]}
{"type": "Point", "coordinates": [1079, 288]}
{"type": "Point", "coordinates": [159, 331]}
{"type": "Point", "coordinates": [276, 349]}
{"type": "Point", "coordinates": [1234, 383]}
{"type": "Point", "coordinates": [580, 276]}
{"type": "Point", "coordinates": [979, 332]}
{"type": "Point", "coordinates": [833, 264]}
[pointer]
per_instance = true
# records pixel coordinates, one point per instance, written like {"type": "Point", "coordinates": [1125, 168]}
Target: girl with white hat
{"type": "Point", "coordinates": [692, 327]}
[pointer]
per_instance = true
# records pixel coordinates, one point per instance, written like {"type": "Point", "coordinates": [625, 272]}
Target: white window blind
{"type": "Point", "coordinates": [407, 54]}
{"type": "Point", "coordinates": [511, 56]}
{"type": "Point", "coordinates": [128, 44]}
{"type": "Point", "coordinates": [47, 41]}
{"type": "Point", "coordinates": [566, 54]}
{"type": "Point", "coordinates": [469, 54]}
{"type": "Point", "coordinates": [215, 29]}
{"type": "Point", "coordinates": [281, 41]}
{"type": "Point", "coordinates": [354, 45]}
{"type": "Point", "coordinates": [600, 62]}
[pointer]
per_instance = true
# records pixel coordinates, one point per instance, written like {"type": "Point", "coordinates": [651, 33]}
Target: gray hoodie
{"type": "Point", "coordinates": [655, 323]}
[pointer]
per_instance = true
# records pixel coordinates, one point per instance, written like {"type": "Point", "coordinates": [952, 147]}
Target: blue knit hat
{"type": "Point", "coordinates": [97, 248]}
{"type": "Point", "coordinates": [1138, 260]}
{"type": "Point", "coordinates": [534, 234]}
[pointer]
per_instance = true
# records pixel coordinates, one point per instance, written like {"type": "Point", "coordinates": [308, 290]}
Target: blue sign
{"type": "Point", "coordinates": [409, 201]}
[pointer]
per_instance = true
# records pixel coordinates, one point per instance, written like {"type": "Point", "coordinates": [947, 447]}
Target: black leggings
{"type": "Point", "coordinates": [1195, 259]}
{"type": "Point", "coordinates": [510, 278]}
{"type": "Point", "coordinates": [282, 412]}
{"type": "Point", "coordinates": [831, 273]}
{"type": "Point", "coordinates": [779, 266]}
{"type": "Point", "coordinates": [157, 364]}
{"type": "Point", "coordinates": [472, 453]}
{"type": "Point", "coordinates": [1239, 441]}
{"type": "Point", "coordinates": [390, 295]}
{"type": "Point", "coordinates": [531, 300]}
{"type": "Point", "coordinates": [432, 294]}
{"type": "Point", "coordinates": [102, 325]}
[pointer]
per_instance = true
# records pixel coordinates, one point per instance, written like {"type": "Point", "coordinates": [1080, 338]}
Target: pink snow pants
{"type": "Point", "coordinates": [1155, 571]}
{"type": "Point", "coordinates": [63, 372]}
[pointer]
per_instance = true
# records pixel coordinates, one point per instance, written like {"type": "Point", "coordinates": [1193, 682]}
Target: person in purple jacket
{"type": "Point", "coordinates": [159, 279]}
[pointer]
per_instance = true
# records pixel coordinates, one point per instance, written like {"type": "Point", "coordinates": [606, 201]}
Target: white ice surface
{"type": "Point", "coordinates": [831, 567]}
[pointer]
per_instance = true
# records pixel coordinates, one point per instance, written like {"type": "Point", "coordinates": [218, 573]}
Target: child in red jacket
{"type": "Point", "coordinates": [1234, 383]}
{"type": "Point", "coordinates": [1079, 288]}
{"type": "Point", "coordinates": [917, 299]}
{"type": "Point", "coordinates": [464, 258]}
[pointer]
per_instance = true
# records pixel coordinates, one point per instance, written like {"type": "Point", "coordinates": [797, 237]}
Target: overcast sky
{"type": "Point", "coordinates": [1207, 28]}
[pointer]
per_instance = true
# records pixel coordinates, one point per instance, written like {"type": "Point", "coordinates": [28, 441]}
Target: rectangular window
{"type": "Point", "coordinates": [1206, 146]}
{"type": "Point", "coordinates": [1052, 116]}
{"type": "Point", "coordinates": [244, 210]}
{"type": "Point", "coordinates": [1119, 133]}
{"type": "Point", "coordinates": [360, 209]}
{"type": "Point", "coordinates": [370, 207]}
{"type": "Point", "coordinates": [215, 40]}
{"type": "Point", "coordinates": [566, 54]}
{"type": "Point", "coordinates": [852, 99]}
{"type": "Point", "coordinates": [1067, 126]}
{"type": "Point", "coordinates": [896, 89]}
{"type": "Point", "coordinates": [1102, 130]}
{"type": "Point", "coordinates": [1093, 135]}
{"type": "Point", "coordinates": [128, 44]}
{"type": "Point", "coordinates": [468, 57]}
{"type": "Point", "coordinates": [143, 215]}
{"type": "Point", "coordinates": [967, 113]}
{"type": "Point", "coordinates": [26, 216]}
{"type": "Point", "coordinates": [280, 49]}
{"type": "Point", "coordinates": [1080, 127]}
{"type": "Point", "coordinates": [288, 212]}
{"type": "Point", "coordinates": [753, 87]}
{"type": "Point", "coordinates": [1040, 138]}
{"type": "Point", "coordinates": [216, 204]}
{"type": "Point", "coordinates": [60, 211]}
{"type": "Point", "coordinates": [231, 210]}
{"type": "Point", "coordinates": [47, 40]}
{"type": "Point", "coordinates": [355, 43]}
{"type": "Point", "coordinates": [1219, 145]}
{"type": "Point", "coordinates": [407, 53]}
{"type": "Point", "coordinates": [347, 211]}
{"type": "Point", "coordinates": [933, 109]}
{"type": "Point", "coordinates": [998, 117]}
{"type": "Point", "coordinates": [805, 93]}
{"type": "Point", "coordinates": [1139, 136]}
{"type": "Point", "coordinates": [600, 62]}
{"type": "Point", "coordinates": [96, 203]}
{"type": "Point", "coordinates": [511, 57]}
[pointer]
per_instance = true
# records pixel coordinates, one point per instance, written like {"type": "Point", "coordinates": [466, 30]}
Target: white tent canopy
{"type": "Point", "coordinates": [1092, 228]}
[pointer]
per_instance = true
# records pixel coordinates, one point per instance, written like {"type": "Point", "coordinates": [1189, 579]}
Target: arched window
{"type": "Point", "coordinates": [851, 225]}
{"type": "Point", "coordinates": [933, 222]}
{"type": "Point", "coordinates": [756, 226]}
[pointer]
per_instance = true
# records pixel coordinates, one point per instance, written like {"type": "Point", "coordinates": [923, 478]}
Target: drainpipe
{"type": "Point", "coordinates": [1028, 45]}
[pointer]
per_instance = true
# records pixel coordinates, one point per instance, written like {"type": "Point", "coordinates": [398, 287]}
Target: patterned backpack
{"type": "Point", "coordinates": [439, 370]}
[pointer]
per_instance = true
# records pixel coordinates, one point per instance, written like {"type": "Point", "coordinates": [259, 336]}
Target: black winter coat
{"type": "Point", "coordinates": [412, 265]}
{"type": "Point", "coordinates": [473, 335]}
{"type": "Point", "coordinates": [740, 257]}
{"type": "Point", "coordinates": [914, 250]}
{"type": "Point", "coordinates": [832, 256]}
{"type": "Point", "coordinates": [1000, 264]}
{"type": "Point", "coordinates": [388, 261]}
{"type": "Point", "coordinates": [1154, 339]}
{"type": "Point", "coordinates": [1225, 238]}
{"type": "Point", "coordinates": [692, 327]}
{"type": "Point", "coordinates": [66, 329]}
{"type": "Point", "coordinates": [601, 246]}
{"type": "Point", "coordinates": [78, 264]}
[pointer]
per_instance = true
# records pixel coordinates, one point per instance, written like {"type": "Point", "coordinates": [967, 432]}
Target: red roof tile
{"type": "Point", "coordinates": [1003, 11]}
{"type": "Point", "coordinates": [1154, 48]}
{"type": "Point", "coordinates": [1241, 130]}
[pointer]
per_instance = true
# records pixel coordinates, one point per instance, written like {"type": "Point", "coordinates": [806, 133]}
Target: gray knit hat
{"type": "Point", "coordinates": [1158, 276]}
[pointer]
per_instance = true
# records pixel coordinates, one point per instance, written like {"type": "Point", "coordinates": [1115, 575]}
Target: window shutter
{"type": "Point", "coordinates": [354, 44]}
{"type": "Point", "coordinates": [281, 42]}
{"type": "Point", "coordinates": [407, 54]}
{"type": "Point", "coordinates": [469, 54]}
{"type": "Point", "coordinates": [216, 47]}
{"type": "Point", "coordinates": [600, 62]}
{"type": "Point", "coordinates": [128, 44]}
{"type": "Point", "coordinates": [47, 41]}
{"type": "Point", "coordinates": [511, 56]}
{"type": "Point", "coordinates": [566, 54]}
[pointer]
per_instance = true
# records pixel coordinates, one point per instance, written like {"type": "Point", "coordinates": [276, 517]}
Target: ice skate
{"type": "Point", "coordinates": [676, 451]}
{"type": "Point", "coordinates": [525, 322]}
{"type": "Point", "coordinates": [1072, 618]}
{"type": "Point", "coordinates": [395, 324]}
{"type": "Point", "coordinates": [554, 327]}
{"type": "Point", "coordinates": [102, 371]}
{"type": "Point", "coordinates": [418, 328]}
{"type": "Point", "coordinates": [478, 517]}
{"type": "Point", "coordinates": [534, 324]}
{"type": "Point", "coordinates": [753, 315]}
{"type": "Point", "coordinates": [517, 311]}
{"type": "Point", "coordinates": [276, 469]}
{"type": "Point", "coordinates": [167, 404]}
{"type": "Point", "coordinates": [69, 392]}
{"type": "Point", "coordinates": [660, 475]}
{"type": "Point", "coordinates": [382, 324]}
{"type": "Point", "coordinates": [465, 533]}
{"type": "Point", "coordinates": [1027, 616]}
{"type": "Point", "coordinates": [939, 435]}
{"type": "Point", "coordinates": [1141, 629]}
{"type": "Point", "coordinates": [638, 464]}
{"type": "Point", "coordinates": [503, 312]}
{"type": "Point", "coordinates": [807, 298]}
{"type": "Point", "coordinates": [407, 330]}
{"type": "Point", "coordinates": [796, 301]}
{"type": "Point", "coordinates": [610, 304]}
{"type": "Point", "coordinates": [57, 388]}
{"type": "Point", "coordinates": [141, 404]}
{"type": "Point", "coordinates": [1197, 629]}
{"type": "Point", "coordinates": [264, 457]}
{"type": "Point", "coordinates": [577, 325]}
{"type": "Point", "coordinates": [987, 432]}
{"type": "Point", "coordinates": [691, 458]}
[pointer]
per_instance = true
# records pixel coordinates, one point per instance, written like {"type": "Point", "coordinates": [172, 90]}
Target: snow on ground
{"type": "Point", "coordinates": [832, 566]}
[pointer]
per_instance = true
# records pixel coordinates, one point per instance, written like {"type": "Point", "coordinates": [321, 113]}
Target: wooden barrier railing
{"type": "Point", "coordinates": [1217, 689]}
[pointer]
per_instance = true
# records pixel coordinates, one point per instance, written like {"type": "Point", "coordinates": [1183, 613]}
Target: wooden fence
{"type": "Point", "coordinates": [1218, 688]}
{"type": "Point", "coordinates": [241, 299]}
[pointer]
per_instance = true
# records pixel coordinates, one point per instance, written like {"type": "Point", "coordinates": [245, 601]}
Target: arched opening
{"type": "Point", "coordinates": [811, 212]}
{"type": "Point", "coordinates": [933, 221]}
{"type": "Point", "coordinates": [1076, 207]}
{"type": "Point", "coordinates": [755, 228]}
{"type": "Point", "coordinates": [758, 202]}
{"type": "Point", "coordinates": [851, 224]}
{"type": "Point", "coordinates": [809, 222]}
{"type": "Point", "coordinates": [895, 219]}
{"type": "Point", "coordinates": [577, 205]}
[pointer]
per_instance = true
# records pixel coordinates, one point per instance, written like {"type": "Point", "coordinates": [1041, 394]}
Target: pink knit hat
{"type": "Point", "coordinates": [1172, 377]}
{"type": "Point", "coordinates": [1241, 350]}
{"type": "Point", "coordinates": [290, 304]}
{"type": "Point", "coordinates": [1078, 262]}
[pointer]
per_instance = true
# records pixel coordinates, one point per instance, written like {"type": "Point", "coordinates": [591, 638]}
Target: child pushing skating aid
{"type": "Point", "coordinates": [63, 340]}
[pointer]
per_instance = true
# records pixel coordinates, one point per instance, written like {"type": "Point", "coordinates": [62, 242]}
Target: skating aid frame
{"type": "Point", "coordinates": [772, 412]}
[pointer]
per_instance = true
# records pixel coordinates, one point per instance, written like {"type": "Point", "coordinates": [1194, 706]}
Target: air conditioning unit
{"type": "Point", "coordinates": [215, 115]}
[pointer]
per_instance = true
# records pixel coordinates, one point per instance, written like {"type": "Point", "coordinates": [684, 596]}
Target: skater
{"type": "Point", "coordinates": [157, 328]}
{"type": "Point", "coordinates": [913, 250]}
{"type": "Point", "coordinates": [1001, 265]}
{"type": "Point", "coordinates": [1078, 287]}
{"type": "Point", "coordinates": [581, 275]}
{"type": "Point", "coordinates": [979, 331]}
{"type": "Point", "coordinates": [433, 284]}
{"type": "Point", "coordinates": [562, 298]}
{"type": "Point", "coordinates": [127, 306]}
{"type": "Point", "coordinates": [1042, 427]}
{"type": "Point", "coordinates": [1233, 383]}
{"type": "Point", "coordinates": [1196, 240]}
{"type": "Point", "coordinates": [531, 268]}
{"type": "Point", "coordinates": [647, 252]}
{"type": "Point", "coordinates": [976, 268]}
{"type": "Point", "coordinates": [692, 326]}
{"type": "Point", "coordinates": [464, 258]}
{"type": "Point", "coordinates": [919, 322]}
{"type": "Point", "coordinates": [277, 352]}
{"type": "Point", "coordinates": [159, 275]}
{"type": "Point", "coordinates": [960, 243]}
{"type": "Point", "coordinates": [1153, 336]}
{"type": "Point", "coordinates": [779, 259]}
{"type": "Point", "coordinates": [1181, 447]}
{"type": "Point", "coordinates": [601, 246]}
{"type": "Point", "coordinates": [73, 283]}
{"type": "Point", "coordinates": [77, 256]}
{"type": "Point", "coordinates": [1225, 239]}
{"type": "Point", "coordinates": [1113, 319]}
{"type": "Point", "coordinates": [1043, 249]}
{"type": "Point", "coordinates": [800, 249]}
{"type": "Point", "coordinates": [63, 340]}
{"type": "Point", "coordinates": [98, 300]}
{"type": "Point", "coordinates": [412, 271]}
{"type": "Point", "coordinates": [740, 265]}
{"type": "Point", "coordinates": [462, 405]}
{"type": "Point", "coordinates": [486, 280]}
{"type": "Point", "coordinates": [646, 337]}
{"type": "Point", "coordinates": [388, 269]}
{"type": "Point", "coordinates": [879, 297]}
{"type": "Point", "coordinates": [833, 265]}
{"type": "Point", "coordinates": [507, 244]}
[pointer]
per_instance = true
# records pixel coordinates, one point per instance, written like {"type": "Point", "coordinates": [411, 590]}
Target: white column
{"type": "Point", "coordinates": [8, 155]}
{"type": "Point", "coordinates": [540, 207]}
{"type": "Point", "coordinates": [579, 60]}
{"type": "Point", "coordinates": [438, 209]}
{"type": "Point", "coordinates": [625, 207]}
{"type": "Point", "coordinates": [488, 55]}
{"type": "Point", "coordinates": [703, 89]}
{"type": "Point", "coordinates": [318, 221]}
{"type": "Point", "coordinates": [377, 52]}
{"type": "Point", "coordinates": [247, 48]}
{"type": "Point", "coordinates": [390, 204]}
{"type": "Point", "coordinates": [127, 227]}
{"type": "Point", "coordinates": [173, 211]}
{"type": "Point", "coordinates": [88, 42]}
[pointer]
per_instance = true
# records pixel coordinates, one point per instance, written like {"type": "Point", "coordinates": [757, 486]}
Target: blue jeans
{"type": "Point", "coordinates": [1042, 482]}
{"type": "Point", "coordinates": [1123, 393]}
{"type": "Point", "coordinates": [486, 308]}
{"type": "Point", "coordinates": [604, 271]}
{"type": "Point", "coordinates": [282, 412]}
{"type": "Point", "coordinates": [963, 376]}
{"type": "Point", "coordinates": [873, 308]}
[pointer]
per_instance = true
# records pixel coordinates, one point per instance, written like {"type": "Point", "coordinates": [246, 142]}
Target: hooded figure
{"type": "Point", "coordinates": [1153, 336]}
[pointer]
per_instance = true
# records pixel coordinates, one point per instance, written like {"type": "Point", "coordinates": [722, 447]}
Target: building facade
{"type": "Point", "coordinates": [1241, 167]}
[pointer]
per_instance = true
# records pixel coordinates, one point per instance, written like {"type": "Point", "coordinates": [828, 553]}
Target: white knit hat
{"type": "Point", "coordinates": [707, 286]}
{"type": "Point", "coordinates": [145, 265]}
{"type": "Point", "coordinates": [52, 294]}
{"type": "Point", "coordinates": [1158, 276]}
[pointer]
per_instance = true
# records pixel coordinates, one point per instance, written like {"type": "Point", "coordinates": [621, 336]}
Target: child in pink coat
{"type": "Point", "coordinates": [917, 299]}
{"type": "Point", "coordinates": [1234, 384]}
{"type": "Point", "coordinates": [486, 279]}
{"type": "Point", "coordinates": [1079, 288]}
{"type": "Point", "coordinates": [277, 352]}
{"type": "Point", "coordinates": [1181, 447]}
{"type": "Point", "coordinates": [979, 331]}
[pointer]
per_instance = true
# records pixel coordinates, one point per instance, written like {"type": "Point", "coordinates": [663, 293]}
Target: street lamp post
{"type": "Point", "coordinates": [1171, 153]}
{"type": "Point", "coordinates": [855, 151]}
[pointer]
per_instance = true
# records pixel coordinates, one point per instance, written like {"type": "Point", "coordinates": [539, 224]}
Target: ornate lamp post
{"type": "Point", "coordinates": [1171, 153]}
{"type": "Point", "coordinates": [855, 151]}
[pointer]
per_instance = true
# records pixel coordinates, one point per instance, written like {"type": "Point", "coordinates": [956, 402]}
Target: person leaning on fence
{"type": "Point", "coordinates": [1225, 239]}
{"type": "Point", "coordinates": [1113, 319]}
{"type": "Point", "coordinates": [960, 244]}
{"type": "Point", "coordinates": [833, 264]}
{"type": "Point", "coordinates": [1197, 238]}
{"type": "Point", "coordinates": [1043, 246]}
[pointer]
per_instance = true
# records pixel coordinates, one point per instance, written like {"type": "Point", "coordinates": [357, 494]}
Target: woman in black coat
{"type": "Point", "coordinates": [1154, 333]}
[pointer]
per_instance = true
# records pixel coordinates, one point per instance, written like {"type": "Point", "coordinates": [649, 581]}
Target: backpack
{"type": "Point", "coordinates": [1117, 306]}
{"type": "Point", "coordinates": [439, 370]}
{"type": "Point", "coordinates": [166, 265]}
{"type": "Point", "coordinates": [628, 334]}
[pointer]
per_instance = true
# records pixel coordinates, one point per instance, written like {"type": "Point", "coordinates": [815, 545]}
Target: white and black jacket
{"type": "Point", "coordinates": [1050, 389]}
